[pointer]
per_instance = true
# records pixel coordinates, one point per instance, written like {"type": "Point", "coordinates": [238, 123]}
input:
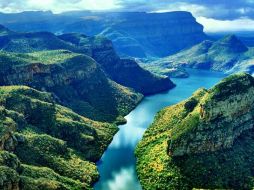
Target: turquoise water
{"type": "Point", "coordinates": [117, 165]}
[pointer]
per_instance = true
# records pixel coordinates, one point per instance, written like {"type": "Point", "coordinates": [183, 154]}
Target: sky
{"type": "Point", "coordinates": [215, 15]}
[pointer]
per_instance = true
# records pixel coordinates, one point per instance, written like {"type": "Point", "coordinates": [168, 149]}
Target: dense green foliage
{"type": "Point", "coordinates": [230, 168]}
{"type": "Point", "coordinates": [75, 79]}
{"type": "Point", "coordinates": [56, 144]}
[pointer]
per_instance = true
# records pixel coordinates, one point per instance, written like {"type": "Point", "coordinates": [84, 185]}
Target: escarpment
{"type": "Point", "coordinates": [225, 112]}
{"type": "Point", "coordinates": [75, 80]}
{"type": "Point", "coordinates": [124, 72]}
{"type": "Point", "coordinates": [203, 142]}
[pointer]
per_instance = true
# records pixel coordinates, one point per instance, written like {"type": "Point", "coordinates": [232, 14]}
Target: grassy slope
{"type": "Point", "coordinates": [223, 55]}
{"type": "Point", "coordinates": [157, 170]}
{"type": "Point", "coordinates": [54, 144]}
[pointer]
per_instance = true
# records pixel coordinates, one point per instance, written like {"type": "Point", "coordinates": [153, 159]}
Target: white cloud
{"type": "Point", "coordinates": [213, 25]}
{"type": "Point", "coordinates": [57, 5]}
{"type": "Point", "coordinates": [123, 180]}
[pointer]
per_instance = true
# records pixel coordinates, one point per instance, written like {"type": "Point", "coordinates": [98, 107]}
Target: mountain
{"type": "Point", "coordinates": [136, 34]}
{"type": "Point", "coordinates": [75, 79]}
{"type": "Point", "coordinates": [59, 106]}
{"type": "Point", "coordinates": [204, 142]}
{"type": "Point", "coordinates": [42, 142]}
{"type": "Point", "coordinates": [125, 72]}
{"type": "Point", "coordinates": [228, 55]}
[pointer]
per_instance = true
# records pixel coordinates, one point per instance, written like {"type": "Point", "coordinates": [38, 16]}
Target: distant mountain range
{"type": "Point", "coordinates": [228, 55]}
{"type": "Point", "coordinates": [136, 34]}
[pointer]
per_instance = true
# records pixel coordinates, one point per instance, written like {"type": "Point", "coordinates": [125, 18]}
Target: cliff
{"type": "Point", "coordinates": [41, 142]}
{"type": "Point", "coordinates": [75, 80]}
{"type": "Point", "coordinates": [203, 142]}
{"type": "Point", "coordinates": [137, 34]}
{"type": "Point", "coordinates": [124, 71]}
{"type": "Point", "coordinates": [228, 55]}
{"type": "Point", "coordinates": [97, 47]}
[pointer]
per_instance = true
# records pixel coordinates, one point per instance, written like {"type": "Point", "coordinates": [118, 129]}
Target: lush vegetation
{"type": "Point", "coordinates": [157, 166]}
{"type": "Point", "coordinates": [54, 144]}
{"type": "Point", "coordinates": [75, 79]}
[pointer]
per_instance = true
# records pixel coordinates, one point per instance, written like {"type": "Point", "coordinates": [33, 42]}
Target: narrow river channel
{"type": "Point", "coordinates": [117, 165]}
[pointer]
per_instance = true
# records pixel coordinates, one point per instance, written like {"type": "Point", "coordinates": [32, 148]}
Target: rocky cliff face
{"type": "Point", "coordinates": [135, 34]}
{"type": "Point", "coordinates": [158, 34]}
{"type": "Point", "coordinates": [124, 71]}
{"type": "Point", "coordinates": [75, 80]}
{"type": "Point", "coordinates": [225, 112]}
{"type": "Point", "coordinates": [203, 142]}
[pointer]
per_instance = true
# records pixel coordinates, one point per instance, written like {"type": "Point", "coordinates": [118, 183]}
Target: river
{"type": "Point", "coordinates": [117, 165]}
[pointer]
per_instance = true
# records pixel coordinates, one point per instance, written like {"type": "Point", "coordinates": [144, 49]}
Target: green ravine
{"type": "Point", "coordinates": [199, 143]}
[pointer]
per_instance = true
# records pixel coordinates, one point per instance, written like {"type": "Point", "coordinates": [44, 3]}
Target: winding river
{"type": "Point", "coordinates": [117, 165]}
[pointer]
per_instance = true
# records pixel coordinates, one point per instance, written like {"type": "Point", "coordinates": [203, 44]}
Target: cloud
{"type": "Point", "coordinates": [123, 180]}
{"type": "Point", "coordinates": [56, 5]}
{"type": "Point", "coordinates": [215, 15]}
{"type": "Point", "coordinates": [213, 25]}
{"type": "Point", "coordinates": [217, 9]}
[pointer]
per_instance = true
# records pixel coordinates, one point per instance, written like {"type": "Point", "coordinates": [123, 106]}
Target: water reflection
{"type": "Point", "coordinates": [117, 166]}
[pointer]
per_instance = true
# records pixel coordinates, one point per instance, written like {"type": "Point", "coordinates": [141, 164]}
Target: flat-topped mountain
{"type": "Point", "coordinates": [204, 142]}
{"type": "Point", "coordinates": [228, 55]}
{"type": "Point", "coordinates": [137, 34]}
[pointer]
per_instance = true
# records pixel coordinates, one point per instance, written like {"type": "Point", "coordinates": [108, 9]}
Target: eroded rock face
{"type": "Point", "coordinates": [126, 72]}
{"type": "Point", "coordinates": [225, 112]}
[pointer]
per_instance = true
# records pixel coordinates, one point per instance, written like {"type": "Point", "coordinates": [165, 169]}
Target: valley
{"type": "Point", "coordinates": [124, 100]}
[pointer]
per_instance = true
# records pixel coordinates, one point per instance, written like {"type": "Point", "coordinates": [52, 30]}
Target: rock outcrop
{"type": "Point", "coordinates": [205, 142]}
{"type": "Point", "coordinates": [225, 112]}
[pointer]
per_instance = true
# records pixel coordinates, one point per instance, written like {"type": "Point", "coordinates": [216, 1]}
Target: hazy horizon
{"type": "Point", "coordinates": [215, 15]}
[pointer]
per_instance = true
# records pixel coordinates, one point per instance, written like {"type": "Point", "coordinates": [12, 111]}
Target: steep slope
{"type": "Point", "coordinates": [228, 54]}
{"type": "Point", "coordinates": [124, 72]}
{"type": "Point", "coordinates": [41, 142]}
{"type": "Point", "coordinates": [75, 80]}
{"type": "Point", "coordinates": [205, 142]}
{"type": "Point", "coordinates": [137, 34]}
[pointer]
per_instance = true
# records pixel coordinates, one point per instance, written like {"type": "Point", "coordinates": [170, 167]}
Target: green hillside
{"type": "Point", "coordinates": [204, 142]}
{"type": "Point", "coordinates": [45, 145]}
{"type": "Point", "coordinates": [75, 80]}
{"type": "Point", "coordinates": [228, 54]}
